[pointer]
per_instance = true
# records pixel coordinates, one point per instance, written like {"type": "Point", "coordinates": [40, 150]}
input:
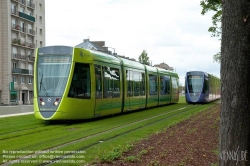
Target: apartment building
{"type": "Point", "coordinates": [22, 29]}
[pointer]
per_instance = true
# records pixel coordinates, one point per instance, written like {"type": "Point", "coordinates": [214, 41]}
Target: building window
{"type": "Point", "coordinates": [30, 53]}
{"type": "Point", "coordinates": [22, 26]}
{"type": "Point", "coordinates": [13, 96]}
{"type": "Point", "coordinates": [13, 9]}
{"type": "Point", "coordinates": [14, 65]}
{"type": "Point", "coordinates": [30, 81]}
{"type": "Point", "coordinates": [40, 6]}
{"type": "Point", "coordinates": [29, 13]}
{"type": "Point", "coordinates": [30, 29]}
{"type": "Point", "coordinates": [30, 40]}
{"type": "Point", "coordinates": [41, 32]}
{"type": "Point", "coordinates": [22, 1]}
{"type": "Point", "coordinates": [14, 79]}
{"type": "Point", "coordinates": [22, 65]}
{"type": "Point", "coordinates": [22, 52]}
{"type": "Point", "coordinates": [41, 43]}
{"type": "Point", "coordinates": [14, 36]}
{"type": "Point", "coordinates": [40, 19]}
{"type": "Point", "coordinates": [22, 80]}
{"type": "Point", "coordinates": [14, 52]}
{"type": "Point", "coordinates": [22, 9]}
{"type": "Point", "coordinates": [30, 67]}
{"type": "Point", "coordinates": [14, 25]}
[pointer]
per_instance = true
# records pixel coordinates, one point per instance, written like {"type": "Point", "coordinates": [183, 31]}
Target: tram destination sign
{"type": "Point", "coordinates": [57, 59]}
{"type": "Point", "coordinates": [192, 76]}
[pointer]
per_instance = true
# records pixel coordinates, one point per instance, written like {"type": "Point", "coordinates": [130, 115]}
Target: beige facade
{"type": "Point", "coordinates": [22, 29]}
{"type": "Point", "coordinates": [164, 66]}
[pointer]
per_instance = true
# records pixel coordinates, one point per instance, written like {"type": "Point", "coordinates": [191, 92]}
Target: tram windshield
{"type": "Point", "coordinates": [52, 74]}
{"type": "Point", "coordinates": [195, 83]}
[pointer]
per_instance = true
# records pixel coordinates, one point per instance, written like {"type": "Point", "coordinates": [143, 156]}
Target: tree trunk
{"type": "Point", "coordinates": [235, 83]}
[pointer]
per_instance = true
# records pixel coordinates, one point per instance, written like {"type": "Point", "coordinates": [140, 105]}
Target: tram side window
{"type": "Point", "coordinates": [165, 85]}
{"type": "Point", "coordinates": [115, 73]}
{"type": "Point", "coordinates": [98, 77]}
{"type": "Point", "coordinates": [168, 84]}
{"type": "Point", "coordinates": [129, 78]}
{"type": "Point", "coordinates": [205, 88]}
{"type": "Point", "coordinates": [107, 92]}
{"type": "Point", "coordinates": [136, 79]}
{"type": "Point", "coordinates": [152, 84]}
{"type": "Point", "coordinates": [142, 90]}
{"type": "Point", "coordinates": [80, 85]}
{"type": "Point", "coordinates": [135, 83]}
{"type": "Point", "coordinates": [174, 85]}
{"type": "Point", "coordinates": [139, 84]}
{"type": "Point", "coordinates": [210, 85]}
{"type": "Point", "coordinates": [111, 82]}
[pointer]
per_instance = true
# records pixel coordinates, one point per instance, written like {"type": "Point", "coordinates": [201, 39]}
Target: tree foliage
{"type": "Point", "coordinates": [143, 58]}
{"type": "Point", "coordinates": [215, 29]}
{"type": "Point", "coordinates": [215, 6]}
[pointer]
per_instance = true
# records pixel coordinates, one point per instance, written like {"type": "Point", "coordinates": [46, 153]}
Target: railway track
{"type": "Point", "coordinates": [121, 130]}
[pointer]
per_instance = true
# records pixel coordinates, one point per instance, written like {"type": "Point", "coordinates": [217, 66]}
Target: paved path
{"type": "Point", "coordinates": [6, 111]}
{"type": "Point", "coordinates": [18, 114]}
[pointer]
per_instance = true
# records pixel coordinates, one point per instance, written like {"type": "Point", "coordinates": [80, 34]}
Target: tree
{"type": "Point", "coordinates": [181, 87]}
{"type": "Point", "coordinates": [235, 70]}
{"type": "Point", "coordinates": [215, 29]}
{"type": "Point", "coordinates": [143, 58]}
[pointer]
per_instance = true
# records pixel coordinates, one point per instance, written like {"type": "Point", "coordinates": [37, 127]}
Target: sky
{"type": "Point", "coordinates": [173, 32]}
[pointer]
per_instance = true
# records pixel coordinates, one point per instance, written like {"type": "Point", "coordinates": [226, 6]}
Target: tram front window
{"type": "Point", "coordinates": [195, 83]}
{"type": "Point", "coordinates": [52, 74]}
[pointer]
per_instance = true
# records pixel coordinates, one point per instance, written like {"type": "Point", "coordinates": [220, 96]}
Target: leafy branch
{"type": "Point", "coordinates": [215, 29]}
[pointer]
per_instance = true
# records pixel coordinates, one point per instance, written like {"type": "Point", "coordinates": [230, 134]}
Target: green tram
{"type": "Point", "coordinates": [76, 83]}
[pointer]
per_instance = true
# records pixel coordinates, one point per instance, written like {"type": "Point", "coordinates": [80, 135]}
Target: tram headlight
{"type": "Point", "coordinates": [55, 103]}
{"type": "Point", "coordinates": [42, 103]}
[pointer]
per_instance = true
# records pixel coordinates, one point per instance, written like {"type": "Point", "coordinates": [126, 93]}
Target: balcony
{"type": "Point", "coordinates": [31, 58]}
{"type": "Point", "coordinates": [27, 17]}
{"type": "Point", "coordinates": [16, 41]}
{"type": "Point", "coordinates": [23, 57]}
{"type": "Point", "coordinates": [22, 29]}
{"type": "Point", "coordinates": [30, 45]}
{"type": "Point", "coordinates": [14, 12]}
{"type": "Point", "coordinates": [21, 71]}
{"type": "Point", "coordinates": [23, 43]}
{"type": "Point", "coordinates": [16, 56]}
{"type": "Point", "coordinates": [15, 27]}
{"type": "Point", "coordinates": [31, 32]}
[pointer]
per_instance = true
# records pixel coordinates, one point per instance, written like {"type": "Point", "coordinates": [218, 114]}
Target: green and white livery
{"type": "Point", "coordinates": [76, 83]}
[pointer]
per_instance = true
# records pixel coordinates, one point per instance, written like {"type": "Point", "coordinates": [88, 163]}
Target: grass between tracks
{"type": "Point", "coordinates": [25, 133]}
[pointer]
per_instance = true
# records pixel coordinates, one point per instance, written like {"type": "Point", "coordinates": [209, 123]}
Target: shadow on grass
{"type": "Point", "coordinates": [125, 114]}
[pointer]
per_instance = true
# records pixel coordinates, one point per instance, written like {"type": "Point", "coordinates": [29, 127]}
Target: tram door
{"type": "Point", "coordinates": [139, 89]}
{"type": "Point", "coordinates": [135, 91]}
{"type": "Point", "coordinates": [108, 98]}
{"type": "Point", "coordinates": [130, 93]}
{"type": "Point", "coordinates": [98, 90]}
{"type": "Point", "coordinates": [164, 97]}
